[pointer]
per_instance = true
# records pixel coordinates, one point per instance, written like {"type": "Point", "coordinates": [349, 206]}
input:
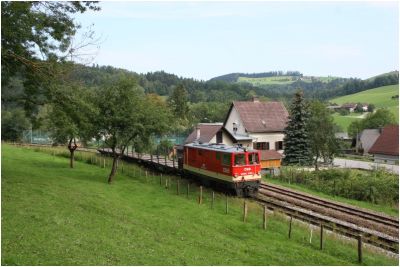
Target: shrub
{"type": "Point", "coordinates": [378, 187]}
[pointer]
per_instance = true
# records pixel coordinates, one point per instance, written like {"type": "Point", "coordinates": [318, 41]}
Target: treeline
{"type": "Point", "coordinates": [233, 77]}
{"type": "Point", "coordinates": [163, 84]}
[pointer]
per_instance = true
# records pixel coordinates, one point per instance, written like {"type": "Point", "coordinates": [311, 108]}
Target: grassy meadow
{"type": "Point", "coordinates": [280, 80]}
{"type": "Point", "coordinates": [381, 97]}
{"type": "Point", "coordinates": [54, 215]}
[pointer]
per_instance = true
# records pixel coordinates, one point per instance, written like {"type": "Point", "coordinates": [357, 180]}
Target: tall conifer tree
{"type": "Point", "coordinates": [297, 141]}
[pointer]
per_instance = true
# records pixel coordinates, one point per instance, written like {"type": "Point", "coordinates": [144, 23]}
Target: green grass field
{"type": "Point", "coordinates": [54, 215]}
{"type": "Point", "coordinates": [380, 97]}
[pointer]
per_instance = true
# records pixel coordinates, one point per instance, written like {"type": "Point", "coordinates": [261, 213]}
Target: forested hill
{"type": "Point", "coordinates": [163, 84]}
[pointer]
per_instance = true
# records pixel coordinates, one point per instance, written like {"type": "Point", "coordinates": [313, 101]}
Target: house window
{"type": "Point", "coordinates": [261, 146]}
{"type": "Point", "coordinates": [218, 156]}
{"type": "Point", "coordinates": [279, 145]}
{"type": "Point", "coordinates": [219, 137]}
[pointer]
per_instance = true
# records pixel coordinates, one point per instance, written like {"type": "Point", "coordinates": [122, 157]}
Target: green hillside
{"type": "Point", "coordinates": [54, 215]}
{"type": "Point", "coordinates": [282, 80]}
{"type": "Point", "coordinates": [381, 97]}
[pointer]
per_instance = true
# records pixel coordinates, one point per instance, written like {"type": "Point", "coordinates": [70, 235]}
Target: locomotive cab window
{"type": "Point", "coordinates": [240, 159]}
{"type": "Point", "coordinates": [226, 159]}
{"type": "Point", "coordinates": [253, 158]}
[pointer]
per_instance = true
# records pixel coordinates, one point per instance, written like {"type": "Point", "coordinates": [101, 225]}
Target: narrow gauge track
{"type": "Point", "coordinates": [337, 225]}
{"type": "Point", "coordinates": [364, 214]}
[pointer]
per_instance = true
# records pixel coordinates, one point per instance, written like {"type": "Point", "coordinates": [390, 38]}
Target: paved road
{"type": "Point", "coordinates": [349, 163]}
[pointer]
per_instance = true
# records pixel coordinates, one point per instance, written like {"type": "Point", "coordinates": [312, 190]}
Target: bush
{"type": "Point", "coordinates": [13, 124]}
{"type": "Point", "coordinates": [378, 187]}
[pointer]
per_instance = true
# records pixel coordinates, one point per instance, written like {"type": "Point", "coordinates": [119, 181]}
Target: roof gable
{"type": "Point", "coordinates": [259, 117]}
{"type": "Point", "coordinates": [207, 132]}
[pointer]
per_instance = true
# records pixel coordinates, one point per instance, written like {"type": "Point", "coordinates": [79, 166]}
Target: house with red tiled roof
{"type": "Point", "coordinates": [386, 147]}
{"type": "Point", "coordinates": [263, 122]}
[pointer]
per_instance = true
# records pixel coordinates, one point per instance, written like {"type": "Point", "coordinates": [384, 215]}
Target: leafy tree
{"type": "Point", "coordinates": [380, 118]}
{"type": "Point", "coordinates": [178, 102]}
{"type": "Point", "coordinates": [70, 117]}
{"type": "Point", "coordinates": [359, 108]}
{"type": "Point", "coordinates": [13, 123]}
{"type": "Point", "coordinates": [297, 148]}
{"type": "Point", "coordinates": [321, 130]}
{"type": "Point", "coordinates": [35, 38]}
{"type": "Point", "coordinates": [128, 116]}
{"type": "Point", "coordinates": [371, 108]}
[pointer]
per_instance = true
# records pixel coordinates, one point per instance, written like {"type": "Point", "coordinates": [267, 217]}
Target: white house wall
{"type": "Point", "coordinates": [268, 137]}
{"type": "Point", "coordinates": [235, 117]}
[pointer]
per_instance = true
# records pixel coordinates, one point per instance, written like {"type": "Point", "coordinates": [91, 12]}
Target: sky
{"type": "Point", "coordinates": [203, 40]}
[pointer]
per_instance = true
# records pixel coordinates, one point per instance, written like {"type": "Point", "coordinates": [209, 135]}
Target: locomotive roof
{"type": "Point", "coordinates": [220, 147]}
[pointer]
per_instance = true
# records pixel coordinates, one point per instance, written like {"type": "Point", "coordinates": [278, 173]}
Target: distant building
{"type": "Point", "coordinates": [386, 147]}
{"type": "Point", "coordinates": [349, 106]}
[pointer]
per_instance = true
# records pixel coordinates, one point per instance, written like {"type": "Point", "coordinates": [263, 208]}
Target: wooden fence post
{"type": "Point", "coordinates": [321, 236]}
{"type": "Point", "coordinates": [166, 182]}
{"type": "Point", "coordinates": [173, 161]}
{"type": "Point", "coordinates": [212, 199]}
{"type": "Point", "coordinates": [359, 238]}
{"type": "Point", "coordinates": [122, 167]}
{"type": "Point", "coordinates": [104, 162]}
{"type": "Point", "coordinates": [226, 205]}
{"type": "Point", "coordinates": [160, 178]}
{"type": "Point", "coordinates": [165, 160]}
{"type": "Point", "coordinates": [290, 227]}
{"type": "Point", "coordinates": [201, 195]}
{"type": "Point", "coordinates": [177, 186]}
{"type": "Point", "coordinates": [244, 210]}
{"type": "Point", "coordinates": [187, 190]}
{"type": "Point", "coordinates": [265, 218]}
{"type": "Point", "coordinates": [146, 175]}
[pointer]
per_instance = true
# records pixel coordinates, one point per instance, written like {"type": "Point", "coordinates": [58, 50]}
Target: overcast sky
{"type": "Point", "coordinates": [207, 39]}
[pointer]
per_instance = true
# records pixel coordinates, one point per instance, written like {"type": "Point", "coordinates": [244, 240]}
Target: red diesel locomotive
{"type": "Point", "coordinates": [232, 169]}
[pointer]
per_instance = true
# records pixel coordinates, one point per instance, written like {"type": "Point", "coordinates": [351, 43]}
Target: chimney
{"type": "Point", "coordinates": [256, 99]}
{"type": "Point", "coordinates": [197, 133]}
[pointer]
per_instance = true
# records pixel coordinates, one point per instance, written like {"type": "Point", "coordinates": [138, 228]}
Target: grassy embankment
{"type": "Point", "coordinates": [54, 215]}
{"type": "Point", "coordinates": [381, 97]}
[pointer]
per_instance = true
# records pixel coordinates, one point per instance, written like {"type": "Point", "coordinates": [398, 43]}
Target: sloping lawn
{"type": "Point", "coordinates": [54, 215]}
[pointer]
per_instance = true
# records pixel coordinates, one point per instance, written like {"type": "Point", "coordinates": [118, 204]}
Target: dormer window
{"type": "Point", "coordinates": [235, 127]}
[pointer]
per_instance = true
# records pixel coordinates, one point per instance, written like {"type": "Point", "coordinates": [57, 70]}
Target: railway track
{"type": "Point", "coordinates": [365, 214]}
{"type": "Point", "coordinates": [377, 229]}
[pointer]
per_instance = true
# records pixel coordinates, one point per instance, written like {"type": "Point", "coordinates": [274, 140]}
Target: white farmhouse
{"type": "Point", "coordinates": [263, 122]}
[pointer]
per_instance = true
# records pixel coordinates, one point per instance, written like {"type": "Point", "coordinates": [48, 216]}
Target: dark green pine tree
{"type": "Point", "coordinates": [297, 140]}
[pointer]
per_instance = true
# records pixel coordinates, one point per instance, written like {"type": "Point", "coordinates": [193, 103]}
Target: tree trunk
{"type": "Point", "coordinates": [316, 163]}
{"type": "Point", "coordinates": [72, 149]}
{"type": "Point", "coordinates": [114, 167]}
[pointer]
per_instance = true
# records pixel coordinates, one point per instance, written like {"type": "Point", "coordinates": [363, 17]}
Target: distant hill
{"type": "Point", "coordinates": [381, 97]}
{"type": "Point", "coordinates": [271, 78]}
{"type": "Point", "coordinates": [234, 77]}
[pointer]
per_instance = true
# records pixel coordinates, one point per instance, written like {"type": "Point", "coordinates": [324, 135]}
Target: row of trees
{"type": "Point", "coordinates": [310, 133]}
{"type": "Point", "coordinates": [119, 113]}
